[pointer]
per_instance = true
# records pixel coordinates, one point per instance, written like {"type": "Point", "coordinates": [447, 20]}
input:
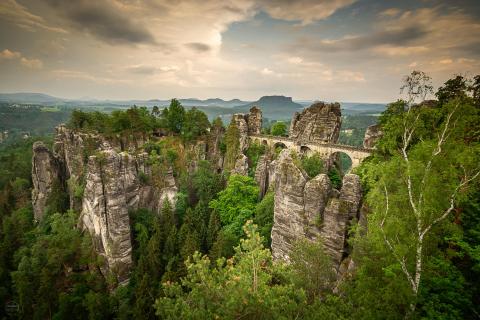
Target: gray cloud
{"type": "Point", "coordinates": [396, 37]}
{"type": "Point", "coordinates": [151, 70]}
{"type": "Point", "coordinates": [144, 70]}
{"type": "Point", "coordinates": [198, 46]}
{"type": "Point", "coordinates": [103, 20]}
{"type": "Point", "coordinates": [306, 11]}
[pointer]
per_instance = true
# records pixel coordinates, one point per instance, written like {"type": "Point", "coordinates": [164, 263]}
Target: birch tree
{"type": "Point", "coordinates": [430, 169]}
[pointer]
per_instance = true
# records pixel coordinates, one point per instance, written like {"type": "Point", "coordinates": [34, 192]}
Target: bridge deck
{"type": "Point", "coordinates": [306, 143]}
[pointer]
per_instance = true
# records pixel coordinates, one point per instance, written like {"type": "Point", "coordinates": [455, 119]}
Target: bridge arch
{"type": "Point", "coordinates": [306, 151]}
{"type": "Point", "coordinates": [279, 144]}
{"type": "Point", "coordinates": [342, 161]}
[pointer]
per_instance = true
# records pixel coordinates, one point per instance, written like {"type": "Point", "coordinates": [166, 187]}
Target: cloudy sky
{"type": "Point", "coordinates": [342, 50]}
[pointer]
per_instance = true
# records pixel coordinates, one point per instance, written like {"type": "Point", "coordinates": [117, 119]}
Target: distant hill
{"type": "Point", "coordinates": [273, 107]}
{"type": "Point", "coordinates": [28, 97]}
{"type": "Point", "coordinates": [354, 108]}
{"type": "Point", "coordinates": [44, 99]}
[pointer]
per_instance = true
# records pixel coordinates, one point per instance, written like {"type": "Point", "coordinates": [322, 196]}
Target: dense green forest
{"type": "Point", "coordinates": [30, 120]}
{"type": "Point", "coordinates": [208, 257]}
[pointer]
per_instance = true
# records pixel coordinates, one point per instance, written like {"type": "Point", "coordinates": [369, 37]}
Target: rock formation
{"type": "Point", "coordinates": [265, 173]}
{"type": "Point", "coordinates": [247, 124]}
{"type": "Point", "coordinates": [254, 120]}
{"type": "Point", "coordinates": [318, 123]}
{"type": "Point", "coordinates": [289, 219]}
{"type": "Point", "coordinates": [47, 175]}
{"type": "Point", "coordinates": [372, 135]}
{"type": "Point", "coordinates": [112, 187]}
{"type": "Point", "coordinates": [241, 165]}
{"type": "Point", "coordinates": [103, 180]}
{"type": "Point", "coordinates": [312, 209]}
{"type": "Point", "coordinates": [240, 121]}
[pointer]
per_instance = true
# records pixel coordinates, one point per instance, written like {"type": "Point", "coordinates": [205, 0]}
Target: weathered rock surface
{"type": "Point", "coordinates": [213, 152]}
{"type": "Point", "coordinates": [240, 121]}
{"type": "Point", "coordinates": [112, 185]}
{"type": "Point", "coordinates": [318, 123]}
{"type": "Point", "coordinates": [289, 216]}
{"type": "Point", "coordinates": [265, 173]}
{"type": "Point", "coordinates": [254, 120]}
{"type": "Point", "coordinates": [241, 165]}
{"type": "Point", "coordinates": [341, 209]}
{"type": "Point", "coordinates": [312, 209]}
{"type": "Point", "coordinates": [261, 174]}
{"type": "Point", "coordinates": [47, 174]}
{"type": "Point", "coordinates": [372, 135]}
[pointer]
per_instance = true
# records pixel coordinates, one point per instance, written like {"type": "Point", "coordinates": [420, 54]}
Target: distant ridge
{"type": "Point", "coordinates": [44, 99]}
{"type": "Point", "coordinates": [273, 107]}
{"type": "Point", "coordinates": [29, 97]}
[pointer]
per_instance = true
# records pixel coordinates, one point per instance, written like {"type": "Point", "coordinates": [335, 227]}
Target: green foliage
{"type": "Point", "coordinates": [133, 120]}
{"type": "Point", "coordinates": [53, 277]}
{"type": "Point", "coordinates": [19, 120]}
{"type": "Point", "coordinates": [196, 124]}
{"type": "Point", "coordinates": [253, 152]}
{"type": "Point", "coordinates": [279, 129]}
{"type": "Point", "coordinates": [206, 182]}
{"type": "Point", "coordinates": [232, 145]}
{"type": "Point", "coordinates": [312, 269]}
{"type": "Point", "coordinates": [143, 177]}
{"type": "Point", "coordinates": [78, 187]}
{"type": "Point", "coordinates": [313, 165]}
{"type": "Point", "coordinates": [174, 116]}
{"type": "Point", "coordinates": [335, 178]}
{"type": "Point", "coordinates": [242, 287]}
{"type": "Point", "coordinates": [264, 217]}
{"type": "Point", "coordinates": [455, 88]}
{"type": "Point", "coordinates": [434, 177]}
{"type": "Point", "coordinates": [236, 203]}
{"type": "Point", "coordinates": [156, 245]}
{"type": "Point", "coordinates": [354, 127]}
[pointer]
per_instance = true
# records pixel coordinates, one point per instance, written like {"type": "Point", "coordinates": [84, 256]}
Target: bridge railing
{"type": "Point", "coordinates": [329, 145]}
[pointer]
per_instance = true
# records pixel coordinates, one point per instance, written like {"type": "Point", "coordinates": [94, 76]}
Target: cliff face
{"type": "Point", "coordinates": [47, 175]}
{"type": "Point", "coordinates": [247, 124]}
{"type": "Point", "coordinates": [112, 187]}
{"type": "Point", "coordinates": [372, 135]}
{"type": "Point", "coordinates": [254, 120]}
{"type": "Point", "coordinates": [103, 180]}
{"type": "Point", "coordinates": [318, 123]}
{"type": "Point", "coordinates": [312, 209]}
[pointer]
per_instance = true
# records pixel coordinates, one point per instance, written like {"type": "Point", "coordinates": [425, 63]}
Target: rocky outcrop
{"type": "Point", "coordinates": [112, 188]}
{"type": "Point", "coordinates": [47, 177]}
{"type": "Point", "coordinates": [312, 209]}
{"type": "Point", "coordinates": [250, 123]}
{"type": "Point", "coordinates": [265, 173]}
{"type": "Point", "coordinates": [72, 147]}
{"type": "Point", "coordinates": [213, 152]}
{"type": "Point", "coordinates": [318, 123]}
{"type": "Point", "coordinates": [241, 165]}
{"type": "Point", "coordinates": [289, 218]}
{"type": "Point", "coordinates": [372, 135]}
{"type": "Point", "coordinates": [341, 209]}
{"type": "Point", "coordinates": [254, 120]}
{"type": "Point", "coordinates": [105, 178]}
{"type": "Point", "coordinates": [261, 174]}
{"type": "Point", "coordinates": [240, 121]}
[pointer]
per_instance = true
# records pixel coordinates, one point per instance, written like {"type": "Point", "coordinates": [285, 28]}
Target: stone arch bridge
{"type": "Point", "coordinates": [326, 150]}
